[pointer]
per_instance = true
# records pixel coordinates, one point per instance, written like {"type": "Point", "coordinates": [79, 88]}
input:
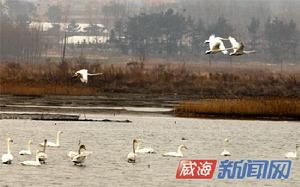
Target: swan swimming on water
{"type": "Point", "coordinates": [143, 150]}
{"type": "Point", "coordinates": [225, 152]}
{"type": "Point", "coordinates": [28, 151]}
{"type": "Point", "coordinates": [216, 45]}
{"type": "Point", "coordinates": [176, 154]}
{"type": "Point", "coordinates": [83, 75]}
{"type": "Point", "coordinates": [8, 157]}
{"type": "Point", "coordinates": [51, 144]}
{"type": "Point", "coordinates": [79, 157]}
{"type": "Point", "coordinates": [35, 162]}
{"type": "Point", "coordinates": [42, 156]}
{"type": "Point", "coordinates": [131, 157]}
{"type": "Point", "coordinates": [292, 154]}
{"type": "Point", "coordinates": [238, 47]}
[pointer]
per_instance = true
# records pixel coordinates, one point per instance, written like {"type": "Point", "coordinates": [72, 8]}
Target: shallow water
{"type": "Point", "coordinates": [111, 142]}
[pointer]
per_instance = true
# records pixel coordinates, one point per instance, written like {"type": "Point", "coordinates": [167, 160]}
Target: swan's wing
{"type": "Point", "coordinates": [145, 150]}
{"type": "Point", "coordinates": [7, 157]}
{"type": "Point", "coordinates": [222, 47]}
{"type": "Point", "coordinates": [93, 74]}
{"type": "Point", "coordinates": [85, 153]}
{"type": "Point", "coordinates": [71, 154]}
{"type": "Point", "coordinates": [42, 155]}
{"type": "Point", "coordinates": [290, 155]}
{"type": "Point", "coordinates": [214, 44]}
{"type": "Point", "coordinates": [225, 153]}
{"type": "Point", "coordinates": [30, 163]}
{"type": "Point", "coordinates": [170, 154]}
{"type": "Point", "coordinates": [211, 37]}
{"type": "Point", "coordinates": [233, 42]}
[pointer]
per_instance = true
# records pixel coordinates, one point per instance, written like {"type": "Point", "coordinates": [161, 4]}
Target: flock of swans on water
{"type": "Point", "coordinates": [77, 157]}
{"type": "Point", "coordinates": [131, 157]}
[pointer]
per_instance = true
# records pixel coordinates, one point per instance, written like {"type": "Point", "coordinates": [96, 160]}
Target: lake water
{"type": "Point", "coordinates": [111, 142]}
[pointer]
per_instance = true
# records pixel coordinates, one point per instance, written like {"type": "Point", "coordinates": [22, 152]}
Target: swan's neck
{"type": "Point", "coordinates": [134, 147]}
{"type": "Point", "coordinates": [179, 150]}
{"type": "Point", "coordinates": [44, 148]}
{"type": "Point", "coordinates": [8, 147]}
{"type": "Point", "coordinates": [29, 146]}
{"type": "Point", "coordinates": [57, 138]}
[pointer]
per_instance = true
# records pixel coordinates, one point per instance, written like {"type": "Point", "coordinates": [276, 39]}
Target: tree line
{"type": "Point", "coordinates": [171, 33]}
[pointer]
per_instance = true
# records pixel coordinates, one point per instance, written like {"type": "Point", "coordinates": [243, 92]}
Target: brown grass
{"type": "Point", "coordinates": [166, 78]}
{"type": "Point", "coordinates": [277, 108]}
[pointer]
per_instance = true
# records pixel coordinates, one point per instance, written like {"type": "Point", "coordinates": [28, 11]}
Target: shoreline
{"type": "Point", "coordinates": [121, 105]}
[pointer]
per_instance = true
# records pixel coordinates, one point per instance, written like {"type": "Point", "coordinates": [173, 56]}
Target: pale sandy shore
{"type": "Point", "coordinates": [111, 142]}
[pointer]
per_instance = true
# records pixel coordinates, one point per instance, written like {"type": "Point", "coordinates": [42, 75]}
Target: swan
{"type": "Point", "coordinates": [132, 155]}
{"type": "Point", "coordinates": [28, 151]}
{"type": "Point", "coordinates": [83, 75]}
{"type": "Point", "coordinates": [143, 150]}
{"type": "Point", "coordinates": [176, 154]}
{"type": "Point", "coordinates": [8, 157]}
{"type": "Point", "coordinates": [238, 47]}
{"type": "Point", "coordinates": [42, 156]}
{"type": "Point", "coordinates": [35, 162]}
{"type": "Point", "coordinates": [51, 144]}
{"type": "Point", "coordinates": [225, 152]}
{"type": "Point", "coordinates": [216, 45]}
{"type": "Point", "coordinates": [292, 154]}
{"type": "Point", "coordinates": [80, 156]}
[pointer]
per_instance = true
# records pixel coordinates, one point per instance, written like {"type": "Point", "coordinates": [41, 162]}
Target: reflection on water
{"type": "Point", "coordinates": [111, 142]}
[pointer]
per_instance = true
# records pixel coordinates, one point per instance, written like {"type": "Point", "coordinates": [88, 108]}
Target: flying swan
{"type": "Point", "coordinates": [216, 45]}
{"type": "Point", "coordinates": [83, 75]}
{"type": "Point", "coordinates": [176, 154]}
{"type": "Point", "coordinates": [238, 47]}
{"type": "Point", "coordinates": [8, 157]}
{"type": "Point", "coordinates": [51, 144]}
{"type": "Point", "coordinates": [28, 151]}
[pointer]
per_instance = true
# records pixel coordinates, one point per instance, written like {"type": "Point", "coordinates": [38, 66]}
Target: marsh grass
{"type": "Point", "coordinates": [276, 108]}
{"type": "Point", "coordinates": [180, 79]}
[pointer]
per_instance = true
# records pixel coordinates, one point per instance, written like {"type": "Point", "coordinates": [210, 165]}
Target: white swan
{"type": "Point", "coordinates": [132, 155]}
{"type": "Point", "coordinates": [225, 152]}
{"type": "Point", "coordinates": [35, 162]}
{"type": "Point", "coordinates": [80, 156]}
{"type": "Point", "coordinates": [51, 144]}
{"type": "Point", "coordinates": [8, 157]}
{"type": "Point", "coordinates": [292, 154]}
{"type": "Point", "coordinates": [83, 75]}
{"type": "Point", "coordinates": [176, 154]}
{"type": "Point", "coordinates": [216, 45]}
{"type": "Point", "coordinates": [28, 151]}
{"type": "Point", "coordinates": [42, 156]}
{"type": "Point", "coordinates": [143, 150]}
{"type": "Point", "coordinates": [238, 47]}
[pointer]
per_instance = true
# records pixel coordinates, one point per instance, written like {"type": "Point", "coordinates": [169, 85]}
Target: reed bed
{"type": "Point", "coordinates": [276, 108]}
{"type": "Point", "coordinates": [178, 79]}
